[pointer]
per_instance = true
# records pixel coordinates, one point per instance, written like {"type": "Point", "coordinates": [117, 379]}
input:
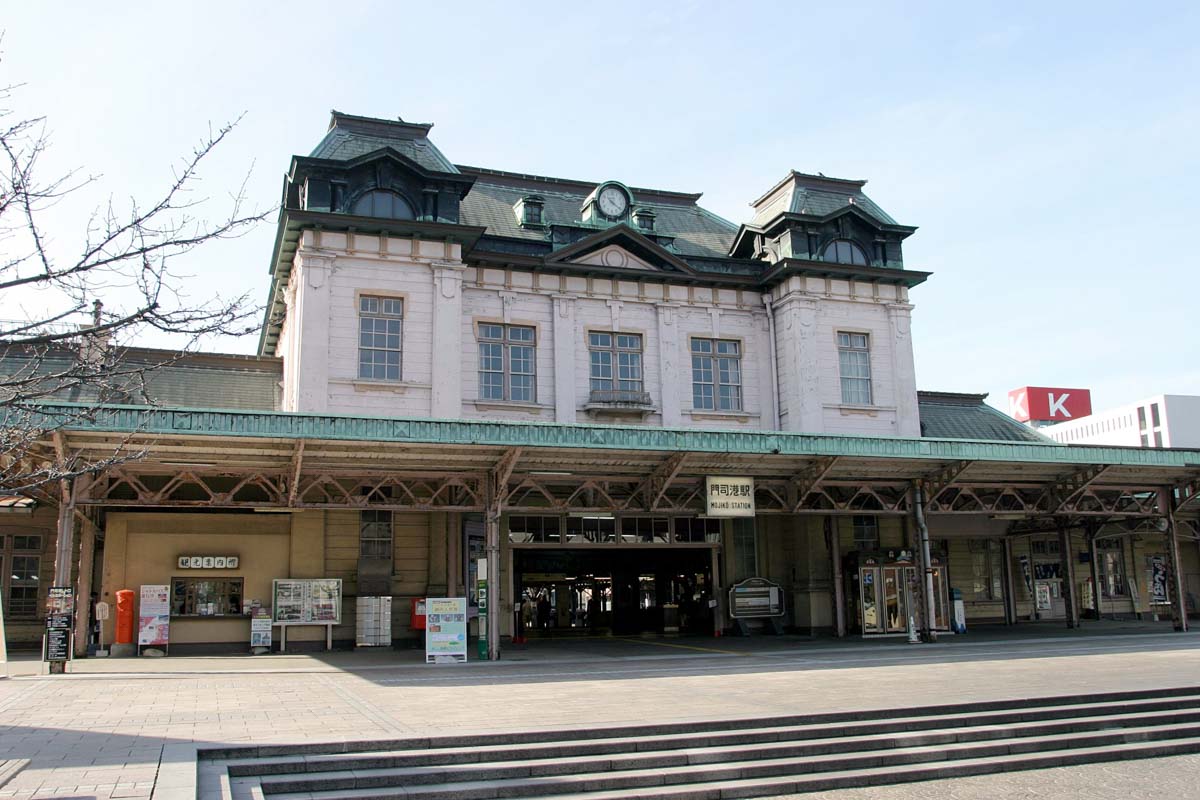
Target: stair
{"type": "Point", "coordinates": [722, 759]}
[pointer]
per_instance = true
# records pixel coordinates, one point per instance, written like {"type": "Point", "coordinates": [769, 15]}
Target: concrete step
{"type": "Point", "coordinates": [1043, 705]}
{"type": "Point", "coordinates": [866, 735]}
{"type": "Point", "coordinates": [634, 773]}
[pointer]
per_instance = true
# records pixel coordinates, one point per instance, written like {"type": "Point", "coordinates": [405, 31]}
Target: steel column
{"type": "Point", "coordinates": [1097, 590]}
{"type": "Point", "coordinates": [839, 586]}
{"type": "Point", "coordinates": [1166, 502]}
{"type": "Point", "coordinates": [928, 634]}
{"type": "Point", "coordinates": [1067, 565]}
{"type": "Point", "coordinates": [1010, 593]}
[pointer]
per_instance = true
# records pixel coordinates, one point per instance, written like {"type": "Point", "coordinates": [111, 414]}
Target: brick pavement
{"type": "Point", "coordinates": [102, 735]}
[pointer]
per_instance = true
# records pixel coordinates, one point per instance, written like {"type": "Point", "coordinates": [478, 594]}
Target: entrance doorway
{"type": "Point", "coordinates": [619, 591]}
{"type": "Point", "coordinates": [888, 594]}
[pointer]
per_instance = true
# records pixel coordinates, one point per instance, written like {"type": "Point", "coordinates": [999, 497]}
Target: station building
{"type": "Point", "coordinates": [460, 363]}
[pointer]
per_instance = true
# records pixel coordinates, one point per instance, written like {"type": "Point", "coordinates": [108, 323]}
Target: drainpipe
{"type": "Point", "coordinates": [774, 357]}
{"type": "Point", "coordinates": [923, 530]}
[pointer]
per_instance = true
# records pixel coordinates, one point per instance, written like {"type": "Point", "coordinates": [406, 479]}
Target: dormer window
{"type": "Point", "coordinates": [843, 251]}
{"type": "Point", "coordinates": [531, 212]}
{"type": "Point", "coordinates": [644, 219]}
{"type": "Point", "coordinates": [383, 204]}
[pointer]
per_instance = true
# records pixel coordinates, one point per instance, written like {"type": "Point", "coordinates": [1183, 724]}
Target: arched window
{"type": "Point", "coordinates": [844, 252]}
{"type": "Point", "coordinates": [380, 203]}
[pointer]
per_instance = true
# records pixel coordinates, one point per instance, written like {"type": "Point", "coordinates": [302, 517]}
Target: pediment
{"type": "Point", "coordinates": [620, 247]}
{"type": "Point", "coordinates": [613, 256]}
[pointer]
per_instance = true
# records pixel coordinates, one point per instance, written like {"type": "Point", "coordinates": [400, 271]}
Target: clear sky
{"type": "Point", "coordinates": [1048, 152]}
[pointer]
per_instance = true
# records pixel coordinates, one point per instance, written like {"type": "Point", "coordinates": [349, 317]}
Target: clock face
{"type": "Point", "coordinates": [612, 202]}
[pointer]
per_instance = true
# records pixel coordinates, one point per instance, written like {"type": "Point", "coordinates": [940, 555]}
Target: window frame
{"type": "Point", "coordinates": [854, 247]}
{"type": "Point", "coordinates": [714, 370]}
{"type": "Point", "coordinates": [216, 579]}
{"type": "Point", "coordinates": [988, 554]}
{"type": "Point", "coordinates": [377, 191]}
{"type": "Point", "coordinates": [615, 351]}
{"type": "Point", "coordinates": [848, 382]}
{"type": "Point", "coordinates": [370, 521]}
{"type": "Point", "coordinates": [378, 316]}
{"type": "Point", "coordinates": [506, 344]}
{"type": "Point", "coordinates": [859, 525]}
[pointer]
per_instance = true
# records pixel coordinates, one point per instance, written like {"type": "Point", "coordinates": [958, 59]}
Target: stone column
{"type": "Point", "coordinates": [564, 358]}
{"type": "Point", "coordinates": [799, 369]}
{"type": "Point", "coordinates": [673, 372]}
{"type": "Point", "coordinates": [446, 395]}
{"type": "Point", "coordinates": [904, 374]}
{"type": "Point", "coordinates": [312, 272]}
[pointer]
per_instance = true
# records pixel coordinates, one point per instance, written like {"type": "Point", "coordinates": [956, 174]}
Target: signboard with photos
{"type": "Point", "coordinates": [307, 601]}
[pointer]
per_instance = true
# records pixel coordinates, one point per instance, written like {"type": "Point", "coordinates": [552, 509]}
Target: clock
{"type": "Point", "coordinates": [612, 202]}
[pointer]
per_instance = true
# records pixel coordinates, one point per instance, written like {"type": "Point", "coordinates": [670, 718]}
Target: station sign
{"type": "Point", "coordinates": [728, 497]}
{"type": "Point", "coordinates": [1046, 404]}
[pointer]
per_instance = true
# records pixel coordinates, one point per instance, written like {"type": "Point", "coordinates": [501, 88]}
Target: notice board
{"type": "Point", "coordinates": [307, 601]}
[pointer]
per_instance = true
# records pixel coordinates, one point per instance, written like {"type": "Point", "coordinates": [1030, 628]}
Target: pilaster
{"type": "Point", "coordinates": [669, 364]}
{"type": "Point", "coordinates": [312, 272]}
{"type": "Point", "coordinates": [799, 369]}
{"type": "Point", "coordinates": [904, 373]}
{"type": "Point", "coordinates": [564, 357]}
{"type": "Point", "coordinates": [446, 341]}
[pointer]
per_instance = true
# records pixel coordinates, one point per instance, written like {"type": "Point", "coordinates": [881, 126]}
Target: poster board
{"type": "Point", "coordinates": [306, 601]}
{"type": "Point", "coordinates": [260, 631]}
{"type": "Point", "coordinates": [154, 615]}
{"type": "Point", "coordinates": [1045, 601]}
{"type": "Point", "coordinates": [446, 630]}
{"type": "Point", "coordinates": [1156, 579]}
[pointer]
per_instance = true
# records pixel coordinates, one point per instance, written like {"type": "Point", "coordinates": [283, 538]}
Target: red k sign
{"type": "Point", "coordinates": [1044, 404]}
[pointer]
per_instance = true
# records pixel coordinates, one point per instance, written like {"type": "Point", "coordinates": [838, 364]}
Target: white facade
{"type": "Point", "coordinates": [1165, 420]}
{"type": "Point", "coordinates": [445, 301]}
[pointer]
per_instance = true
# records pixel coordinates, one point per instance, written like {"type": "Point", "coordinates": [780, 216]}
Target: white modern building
{"type": "Point", "coordinates": [1165, 420]}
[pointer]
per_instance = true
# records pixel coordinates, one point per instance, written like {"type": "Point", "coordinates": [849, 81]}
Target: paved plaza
{"type": "Point", "coordinates": [103, 730]}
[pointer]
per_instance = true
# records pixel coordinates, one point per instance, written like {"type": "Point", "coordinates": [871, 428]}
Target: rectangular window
{"type": "Point", "coordinates": [986, 565]}
{"type": "Point", "coordinates": [616, 366]}
{"type": "Point", "coordinates": [1154, 419]}
{"type": "Point", "coordinates": [375, 534]}
{"type": "Point", "coordinates": [507, 363]}
{"type": "Point", "coordinates": [745, 549]}
{"type": "Point", "coordinates": [716, 375]}
{"type": "Point", "coordinates": [854, 359]}
{"type": "Point", "coordinates": [646, 529]}
{"type": "Point", "coordinates": [1158, 440]}
{"type": "Point", "coordinates": [31, 544]}
{"type": "Point", "coordinates": [696, 529]}
{"type": "Point", "coordinates": [866, 532]}
{"type": "Point", "coordinates": [598, 528]}
{"type": "Point", "coordinates": [533, 529]}
{"type": "Point", "coordinates": [380, 322]}
{"type": "Point", "coordinates": [1141, 418]}
{"type": "Point", "coordinates": [206, 597]}
{"type": "Point", "coordinates": [23, 586]}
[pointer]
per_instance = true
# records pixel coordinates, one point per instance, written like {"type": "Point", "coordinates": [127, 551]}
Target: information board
{"type": "Point", "coordinates": [260, 631]}
{"type": "Point", "coordinates": [1045, 601]}
{"type": "Point", "coordinates": [58, 644]}
{"type": "Point", "coordinates": [307, 601]}
{"type": "Point", "coordinates": [445, 630]}
{"type": "Point", "coordinates": [60, 614]}
{"type": "Point", "coordinates": [154, 615]}
{"type": "Point", "coordinates": [755, 597]}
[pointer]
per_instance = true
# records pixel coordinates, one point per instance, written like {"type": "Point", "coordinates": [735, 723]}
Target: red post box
{"type": "Point", "coordinates": [416, 617]}
{"type": "Point", "coordinates": [124, 633]}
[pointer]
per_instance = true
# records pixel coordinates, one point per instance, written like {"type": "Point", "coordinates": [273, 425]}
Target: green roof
{"type": "Point", "coordinates": [350, 137]}
{"type": "Point", "coordinates": [203, 421]}
{"type": "Point", "coordinates": [815, 196]}
{"type": "Point", "coordinates": [947, 415]}
{"type": "Point", "coordinates": [697, 231]}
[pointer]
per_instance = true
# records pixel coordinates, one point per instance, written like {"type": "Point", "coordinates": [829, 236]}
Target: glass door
{"type": "Point", "coordinates": [895, 599]}
{"type": "Point", "coordinates": [868, 591]}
